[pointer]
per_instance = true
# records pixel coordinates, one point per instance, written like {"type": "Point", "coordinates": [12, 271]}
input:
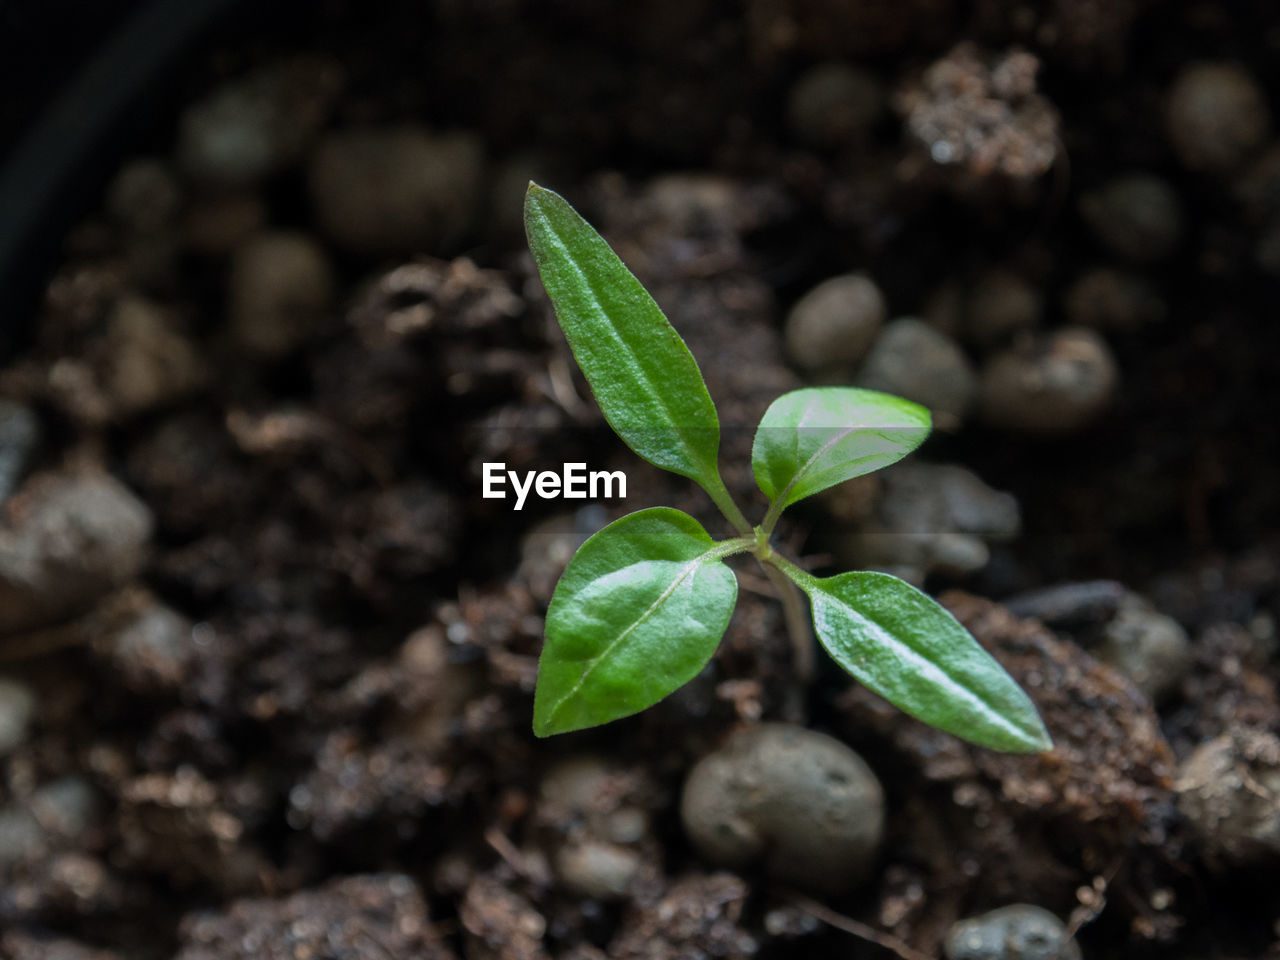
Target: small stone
{"type": "Point", "coordinates": [144, 197]}
{"type": "Point", "coordinates": [149, 363]}
{"type": "Point", "coordinates": [1230, 789]}
{"type": "Point", "coordinates": [258, 124]}
{"type": "Point", "coordinates": [1138, 217]}
{"type": "Point", "coordinates": [913, 360]}
{"type": "Point", "coordinates": [68, 539]}
{"type": "Point", "coordinates": [801, 802]}
{"type": "Point", "coordinates": [65, 808]}
{"type": "Point", "coordinates": [1058, 384]}
{"type": "Point", "coordinates": [399, 190]}
{"type": "Point", "coordinates": [833, 104]}
{"type": "Point", "coordinates": [1020, 931]}
{"type": "Point", "coordinates": [602, 871]}
{"type": "Point", "coordinates": [19, 439]}
{"type": "Point", "coordinates": [280, 293]}
{"type": "Point", "coordinates": [1000, 305]}
{"type": "Point", "coordinates": [1112, 300]}
{"type": "Point", "coordinates": [154, 650]}
{"type": "Point", "coordinates": [20, 835]}
{"type": "Point", "coordinates": [577, 783]}
{"type": "Point", "coordinates": [17, 710]}
{"type": "Point", "coordinates": [835, 323]}
{"type": "Point", "coordinates": [1216, 115]}
{"type": "Point", "coordinates": [1151, 649]}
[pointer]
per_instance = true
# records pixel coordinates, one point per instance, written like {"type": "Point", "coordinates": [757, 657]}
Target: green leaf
{"type": "Point", "coordinates": [812, 439]}
{"type": "Point", "coordinates": [904, 646]}
{"type": "Point", "coordinates": [645, 379]}
{"type": "Point", "coordinates": [638, 613]}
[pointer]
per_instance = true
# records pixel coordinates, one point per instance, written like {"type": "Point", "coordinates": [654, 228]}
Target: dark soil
{"type": "Point", "coordinates": [293, 719]}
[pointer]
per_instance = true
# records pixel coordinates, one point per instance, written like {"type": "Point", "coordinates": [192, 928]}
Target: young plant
{"type": "Point", "coordinates": [644, 602]}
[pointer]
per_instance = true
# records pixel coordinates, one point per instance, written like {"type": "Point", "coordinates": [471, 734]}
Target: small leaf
{"type": "Point", "coordinates": [812, 439]}
{"type": "Point", "coordinates": [638, 613]}
{"type": "Point", "coordinates": [645, 379]}
{"type": "Point", "coordinates": [904, 646]}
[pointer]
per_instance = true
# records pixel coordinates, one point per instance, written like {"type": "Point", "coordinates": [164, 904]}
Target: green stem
{"type": "Point", "coordinates": [719, 495]}
{"type": "Point", "coordinates": [771, 518]}
{"type": "Point", "coordinates": [801, 578]}
{"type": "Point", "coordinates": [794, 614]}
{"type": "Point", "coordinates": [727, 548]}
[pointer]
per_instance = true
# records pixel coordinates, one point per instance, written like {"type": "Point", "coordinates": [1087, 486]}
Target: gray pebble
{"type": "Point", "coordinates": [833, 104]}
{"type": "Point", "coordinates": [19, 439]}
{"type": "Point", "coordinates": [1020, 931]}
{"type": "Point", "coordinates": [1229, 788]}
{"type": "Point", "coordinates": [913, 360]}
{"type": "Point", "coordinates": [999, 305]}
{"type": "Point", "coordinates": [154, 650]}
{"type": "Point", "coordinates": [932, 518]}
{"type": "Point", "coordinates": [800, 802]}
{"type": "Point", "coordinates": [394, 191]}
{"type": "Point", "coordinates": [149, 361]}
{"type": "Point", "coordinates": [66, 807]}
{"type": "Point", "coordinates": [258, 124]}
{"type": "Point", "coordinates": [76, 537]}
{"type": "Point", "coordinates": [1069, 604]}
{"type": "Point", "coordinates": [1216, 115]}
{"type": "Point", "coordinates": [834, 324]}
{"type": "Point", "coordinates": [1138, 217]}
{"type": "Point", "coordinates": [280, 293]}
{"type": "Point", "coordinates": [20, 835]}
{"type": "Point", "coordinates": [602, 871]}
{"type": "Point", "coordinates": [1112, 300]}
{"type": "Point", "coordinates": [1151, 649]}
{"type": "Point", "coordinates": [17, 710]}
{"type": "Point", "coordinates": [1055, 385]}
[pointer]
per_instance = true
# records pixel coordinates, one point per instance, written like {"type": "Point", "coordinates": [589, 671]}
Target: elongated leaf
{"type": "Point", "coordinates": [638, 613]}
{"type": "Point", "coordinates": [907, 648]}
{"type": "Point", "coordinates": [812, 439]}
{"type": "Point", "coordinates": [645, 379]}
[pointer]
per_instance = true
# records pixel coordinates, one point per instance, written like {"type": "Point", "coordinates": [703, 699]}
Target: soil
{"type": "Point", "coordinates": [282, 663]}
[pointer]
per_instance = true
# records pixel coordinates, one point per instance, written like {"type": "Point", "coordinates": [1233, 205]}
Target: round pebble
{"type": "Point", "coordinates": [1147, 646]}
{"type": "Point", "coordinates": [280, 293]}
{"type": "Point", "coordinates": [1057, 385]}
{"type": "Point", "coordinates": [1020, 931]}
{"type": "Point", "coordinates": [144, 197]}
{"type": "Point", "coordinates": [801, 803]}
{"type": "Point", "coordinates": [1112, 300]}
{"type": "Point", "coordinates": [149, 363]}
{"type": "Point", "coordinates": [1137, 217]}
{"type": "Point", "coordinates": [396, 191]}
{"type": "Point", "coordinates": [913, 360]}
{"type": "Point", "coordinates": [602, 871]}
{"type": "Point", "coordinates": [1216, 115]}
{"type": "Point", "coordinates": [1229, 788]}
{"type": "Point", "coordinates": [835, 323]}
{"type": "Point", "coordinates": [1000, 304]}
{"type": "Point", "coordinates": [833, 104]}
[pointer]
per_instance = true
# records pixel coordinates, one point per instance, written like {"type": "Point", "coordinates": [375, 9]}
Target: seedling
{"type": "Point", "coordinates": [644, 602]}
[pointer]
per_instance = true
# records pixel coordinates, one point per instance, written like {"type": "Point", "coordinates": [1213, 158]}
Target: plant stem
{"type": "Point", "coordinates": [720, 496]}
{"type": "Point", "coordinates": [771, 518]}
{"type": "Point", "coordinates": [797, 621]}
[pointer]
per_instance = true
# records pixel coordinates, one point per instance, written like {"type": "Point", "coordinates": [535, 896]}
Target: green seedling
{"type": "Point", "coordinates": [644, 602]}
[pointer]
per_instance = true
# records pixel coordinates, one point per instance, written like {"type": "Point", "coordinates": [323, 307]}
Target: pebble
{"type": "Point", "coordinates": [1019, 931]}
{"type": "Point", "coordinates": [832, 104]}
{"type": "Point", "coordinates": [144, 197]}
{"type": "Point", "coordinates": [602, 871]}
{"type": "Point", "coordinates": [835, 323]}
{"type": "Point", "coordinates": [258, 124]}
{"type": "Point", "coordinates": [1216, 115]}
{"type": "Point", "coordinates": [1069, 604]}
{"type": "Point", "coordinates": [913, 360]}
{"type": "Point", "coordinates": [149, 363]}
{"type": "Point", "coordinates": [999, 305]}
{"type": "Point", "coordinates": [1112, 301]}
{"type": "Point", "coordinates": [1147, 646]}
{"type": "Point", "coordinates": [70, 538]}
{"type": "Point", "coordinates": [396, 191]}
{"type": "Point", "coordinates": [1057, 384]}
{"type": "Point", "coordinates": [19, 440]}
{"type": "Point", "coordinates": [932, 518]}
{"type": "Point", "coordinates": [280, 293]}
{"type": "Point", "coordinates": [1138, 217]}
{"type": "Point", "coordinates": [154, 651]}
{"type": "Point", "coordinates": [800, 802]}
{"type": "Point", "coordinates": [17, 710]}
{"type": "Point", "coordinates": [1229, 788]}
